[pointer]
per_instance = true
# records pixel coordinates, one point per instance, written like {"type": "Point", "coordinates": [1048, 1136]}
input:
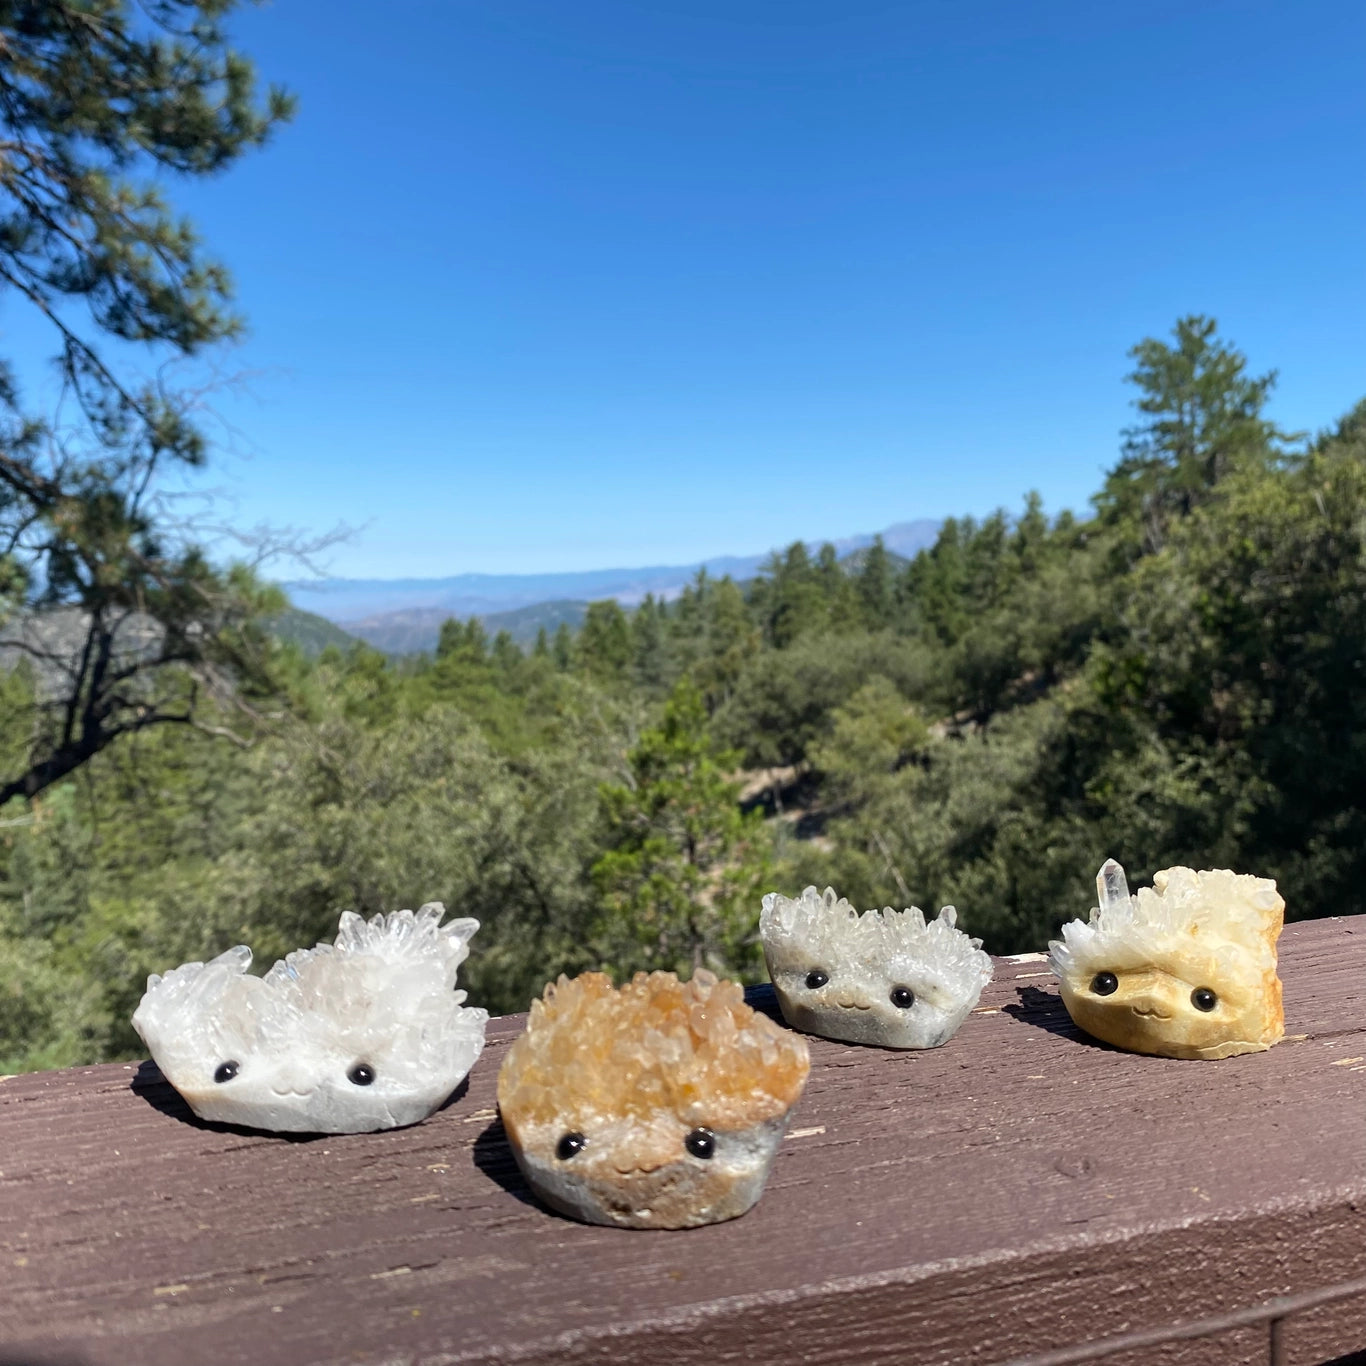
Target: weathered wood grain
{"type": "Point", "coordinates": [1020, 1189]}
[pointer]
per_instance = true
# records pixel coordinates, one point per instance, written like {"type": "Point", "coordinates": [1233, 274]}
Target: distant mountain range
{"type": "Point", "coordinates": [403, 616]}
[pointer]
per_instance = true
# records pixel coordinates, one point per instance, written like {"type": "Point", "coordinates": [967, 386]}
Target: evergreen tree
{"type": "Point", "coordinates": [650, 658]}
{"type": "Point", "coordinates": [450, 638]}
{"type": "Point", "coordinates": [604, 645]}
{"type": "Point", "coordinates": [1204, 419]}
{"type": "Point", "coordinates": [876, 589]}
{"type": "Point", "coordinates": [873, 736]}
{"type": "Point", "coordinates": [462, 642]}
{"type": "Point", "coordinates": [562, 647]}
{"type": "Point", "coordinates": [1029, 543]}
{"type": "Point", "coordinates": [686, 619]}
{"type": "Point", "coordinates": [99, 100]}
{"type": "Point", "coordinates": [829, 575]}
{"type": "Point", "coordinates": [729, 642]}
{"type": "Point", "coordinates": [684, 870]}
{"type": "Point", "coordinates": [506, 656]}
{"type": "Point", "coordinates": [791, 601]}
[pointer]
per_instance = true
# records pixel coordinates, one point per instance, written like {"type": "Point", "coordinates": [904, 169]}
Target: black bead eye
{"type": "Point", "coordinates": [362, 1074]}
{"type": "Point", "coordinates": [226, 1071]}
{"type": "Point", "coordinates": [1202, 998]}
{"type": "Point", "coordinates": [1105, 984]}
{"type": "Point", "coordinates": [570, 1146]}
{"type": "Point", "coordinates": [815, 979]}
{"type": "Point", "coordinates": [903, 998]}
{"type": "Point", "coordinates": [700, 1143]}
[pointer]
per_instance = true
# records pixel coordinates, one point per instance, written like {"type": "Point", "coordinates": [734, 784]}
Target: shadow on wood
{"type": "Point", "coordinates": [1045, 1010]}
{"type": "Point", "coordinates": [492, 1155]}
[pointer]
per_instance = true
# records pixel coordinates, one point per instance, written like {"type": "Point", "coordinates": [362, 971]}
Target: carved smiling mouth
{"type": "Point", "coordinates": [291, 1092]}
{"type": "Point", "coordinates": [1149, 1014]}
{"type": "Point", "coordinates": [852, 1005]}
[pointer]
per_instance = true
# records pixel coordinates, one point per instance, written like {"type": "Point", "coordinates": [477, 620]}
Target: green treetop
{"type": "Point", "coordinates": [604, 644]}
{"type": "Point", "coordinates": [1204, 418]}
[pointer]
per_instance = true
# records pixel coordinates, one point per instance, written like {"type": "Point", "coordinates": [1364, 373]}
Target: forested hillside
{"type": "Point", "coordinates": [1177, 677]}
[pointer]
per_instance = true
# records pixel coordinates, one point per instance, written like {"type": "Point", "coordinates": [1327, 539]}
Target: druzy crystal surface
{"type": "Point", "coordinates": [1184, 969]}
{"type": "Point", "coordinates": [365, 1033]}
{"type": "Point", "coordinates": [886, 977]}
{"type": "Point", "coordinates": [656, 1105]}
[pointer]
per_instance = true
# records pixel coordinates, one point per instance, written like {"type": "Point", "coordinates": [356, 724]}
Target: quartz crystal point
{"type": "Point", "coordinates": [365, 1033]}
{"type": "Point", "coordinates": [1184, 969]}
{"type": "Point", "coordinates": [659, 1105]}
{"type": "Point", "coordinates": [885, 977]}
{"type": "Point", "coordinates": [1112, 887]}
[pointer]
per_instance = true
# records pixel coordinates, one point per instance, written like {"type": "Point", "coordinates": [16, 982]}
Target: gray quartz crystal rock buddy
{"type": "Point", "coordinates": [885, 977]}
{"type": "Point", "coordinates": [365, 1033]}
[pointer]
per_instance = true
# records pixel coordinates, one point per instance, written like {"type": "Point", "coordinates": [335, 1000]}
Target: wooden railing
{"type": "Point", "coordinates": [1022, 1194]}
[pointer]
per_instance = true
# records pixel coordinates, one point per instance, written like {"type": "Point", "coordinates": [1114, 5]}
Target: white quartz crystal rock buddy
{"type": "Point", "coordinates": [885, 977]}
{"type": "Point", "coordinates": [361, 1034]}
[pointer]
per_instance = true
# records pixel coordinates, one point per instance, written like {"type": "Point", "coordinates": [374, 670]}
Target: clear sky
{"type": "Point", "coordinates": [537, 285]}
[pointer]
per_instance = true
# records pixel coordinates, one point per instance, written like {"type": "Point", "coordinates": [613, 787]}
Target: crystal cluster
{"type": "Point", "coordinates": [1184, 969]}
{"type": "Point", "coordinates": [365, 1033]}
{"type": "Point", "coordinates": [885, 977]}
{"type": "Point", "coordinates": [658, 1105]}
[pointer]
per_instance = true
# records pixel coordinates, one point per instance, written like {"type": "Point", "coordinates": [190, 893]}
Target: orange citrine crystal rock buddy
{"type": "Point", "coordinates": [656, 1105]}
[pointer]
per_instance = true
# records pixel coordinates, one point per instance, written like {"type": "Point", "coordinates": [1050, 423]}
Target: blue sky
{"type": "Point", "coordinates": [539, 286]}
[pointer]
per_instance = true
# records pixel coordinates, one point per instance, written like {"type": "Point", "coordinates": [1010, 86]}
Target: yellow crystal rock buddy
{"type": "Point", "coordinates": [1184, 969]}
{"type": "Point", "coordinates": [658, 1105]}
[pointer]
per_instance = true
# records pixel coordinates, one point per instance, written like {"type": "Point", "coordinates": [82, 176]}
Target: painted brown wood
{"type": "Point", "coordinates": [1020, 1189]}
